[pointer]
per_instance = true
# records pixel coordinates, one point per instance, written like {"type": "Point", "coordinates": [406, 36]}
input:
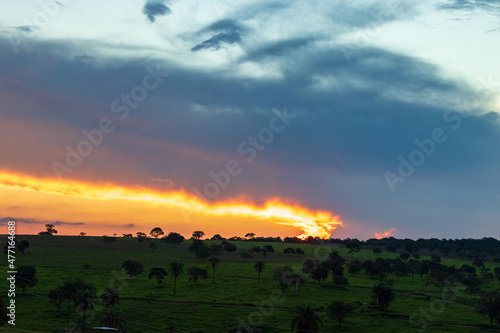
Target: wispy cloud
{"type": "Point", "coordinates": [6, 219]}
{"type": "Point", "coordinates": [167, 181]}
{"type": "Point", "coordinates": [489, 5]}
{"type": "Point", "coordinates": [227, 32]}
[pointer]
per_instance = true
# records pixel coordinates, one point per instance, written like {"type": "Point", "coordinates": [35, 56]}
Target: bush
{"type": "Point", "coordinates": [132, 268]}
{"type": "Point", "coordinates": [340, 281]}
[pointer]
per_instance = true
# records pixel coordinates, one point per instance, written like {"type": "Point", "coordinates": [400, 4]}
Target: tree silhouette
{"type": "Point", "coordinates": [198, 234]}
{"type": "Point", "coordinates": [268, 248]}
{"type": "Point", "coordinates": [228, 247]}
{"type": "Point", "coordinates": [478, 262]}
{"type": "Point", "coordinates": [173, 238]}
{"type": "Point", "coordinates": [255, 249]}
{"type": "Point", "coordinates": [354, 267]}
{"type": "Point", "coordinates": [50, 230]}
{"type": "Point", "coordinates": [203, 252]}
{"type": "Point", "coordinates": [297, 280]}
{"type": "Point", "coordinates": [83, 234]}
{"type": "Point", "coordinates": [74, 292]}
{"type": "Point", "coordinates": [216, 249]}
{"type": "Point", "coordinates": [335, 263]}
{"type": "Point", "coordinates": [405, 256]}
{"type": "Point", "coordinates": [489, 305]}
{"type": "Point", "coordinates": [250, 235]}
{"type": "Point", "coordinates": [68, 290]}
{"type": "Point", "coordinates": [156, 232]}
{"type": "Point", "coordinates": [259, 267]}
{"type": "Point", "coordinates": [26, 277]}
{"type": "Point", "coordinates": [196, 273]}
{"type": "Point", "coordinates": [110, 297]}
{"type": "Point", "coordinates": [22, 246]}
{"type": "Point", "coordinates": [320, 273]}
{"type": "Point", "coordinates": [338, 310]}
{"type": "Point", "coordinates": [384, 295]}
{"type": "Point", "coordinates": [497, 272]}
{"type": "Point", "coordinates": [423, 268]}
{"type": "Point", "coordinates": [399, 268]}
{"type": "Point", "coordinates": [353, 247]}
{"type": "Point", "coordinates": [85, 300]}
{"type": "Point", "coordinates": [196, 243]}
{"type": "Point", "coordinates": [340, 280]}
{"type": "Point", "coordinates": [289, 251]}
{"type": "Point", "coordinates": [158, 273]}
{"type": "Point", "coordinates": [132, 268]}
{"type": "Point", "coordinates": [299, 251]}
{"type": "Point", "coordinates": [281, 274]}
{"type": "Point", "coordinates": [176, 269]}
{"type": "Point", "coordinates": [56, 297]}
{"type": "Point", "coordinates": [305, 320]}
{"type": "Point", "coordinates": [217, 237]}
{"type": "Point", "coordinates": [215, 262]}
{"type": "Point", "coordinates": [141, 237]}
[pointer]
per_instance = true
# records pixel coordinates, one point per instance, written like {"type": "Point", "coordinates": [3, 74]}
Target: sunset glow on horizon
{"type": "Point", "coordinates": [273, 210]}
{"type": "Point", "coordinates": [385, 234]}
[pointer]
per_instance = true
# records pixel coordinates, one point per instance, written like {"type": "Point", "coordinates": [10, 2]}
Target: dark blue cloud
{"type": "Point", "coordinates": [26, 28]}
{"type": "Point", "coordinates": [83, 57]}
{"type": "Point", "coordinates": [489, 5]}
{"type": "Point", "coordinates": [154, 8]}
{"type": "Point", "coordinates": [331, 156]}
{"type": "Point", "coordinates": [227, 32]}
{"type": "Point", "coordinates": [277, 49]}
{"type": "Point", "coordinates": [218, 40]}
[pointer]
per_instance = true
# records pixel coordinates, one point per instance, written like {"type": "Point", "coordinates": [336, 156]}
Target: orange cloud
{"type": "Point", "coordinates": [312, 223]}
{"type": "Point", "coordinates": [388, 233]}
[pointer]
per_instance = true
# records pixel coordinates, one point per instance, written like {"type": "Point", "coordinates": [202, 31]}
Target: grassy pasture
{"type": "Point", "coordinates": [235, 296]}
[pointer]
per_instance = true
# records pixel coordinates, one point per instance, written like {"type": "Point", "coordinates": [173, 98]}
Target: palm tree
{"type": "Point", "coordinates": [110, 297]}
{"type": "Point", "coordinates": [298, 280]}
{"type": "Point", "coordinates": [113, 319]}
{"type": "Point", "coordinates": [158, 273]}
{"type": "Point", "coordinates": [353, 247]}
{"type": "Point", "coordinates": [176, 268]}
{"type": "Point", "coordinates": [259, 267]}
{"type": "Point", "coordinates": [68, 290]}
{"type": "Point", "coordinates": [56, 297]}
{"type": "Point", "coordinates": [383, 294]}
{"type": "Point", "coordinates": [85, 300]}
{"type": "Point", "coordinates": [215, 262]}
{"type": "Point", "coordinates": [305, 320]}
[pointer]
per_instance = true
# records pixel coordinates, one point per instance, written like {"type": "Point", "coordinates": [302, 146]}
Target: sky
{"type": "Point", "coordinates": [329, 118]}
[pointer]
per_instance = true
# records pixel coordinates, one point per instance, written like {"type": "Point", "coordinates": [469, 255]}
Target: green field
{"type": "Point", "coordinates": [235, 295]}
